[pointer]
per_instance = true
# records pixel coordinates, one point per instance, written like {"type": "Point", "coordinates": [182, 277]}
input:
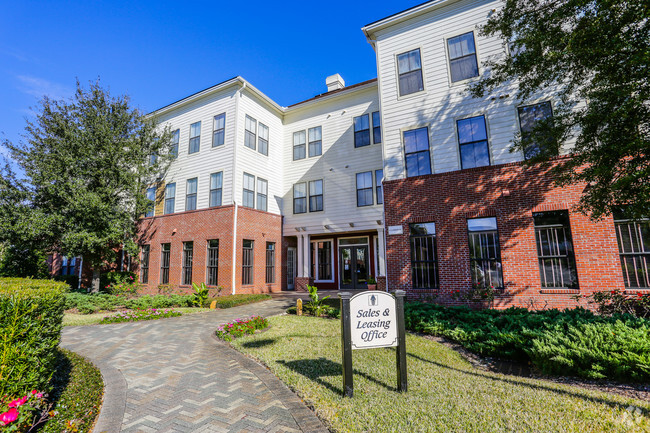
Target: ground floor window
{"type": "Point", "coordinates": [144, 265]}
{"type": "Point", "coordinates": [321, 260]}
{"type": "Point", "coordinates": [270, 262]}
{"type": "Point", "coordinates": [557, 265]}
{"type": "Point", "coordinates": [424, 266]}
{"type": "Point", "coordinates": [68, 265]}
{"type": "Point", "coordinates": [247, 262]}
{"type": "Point", "coordinates": [165, 250]}
{"type": "Point", "coordinates": [213, 262]}
{"type": "Point", "coordinates": [634, 250]}
{"type": "Point", "coordinates": [188, 255]}
{"type": "Point", "coordinates": [484, 253]}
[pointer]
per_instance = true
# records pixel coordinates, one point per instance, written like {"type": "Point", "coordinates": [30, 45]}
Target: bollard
{"type": "Point", "coordinates": [299, 307]}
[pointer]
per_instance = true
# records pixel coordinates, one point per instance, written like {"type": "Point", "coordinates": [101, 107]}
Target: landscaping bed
{"type": "Point", "coordinates": [446, 393]}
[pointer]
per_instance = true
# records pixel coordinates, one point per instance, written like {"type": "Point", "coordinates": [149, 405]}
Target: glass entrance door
{"type": "Point", "coordinates": [354, 267]}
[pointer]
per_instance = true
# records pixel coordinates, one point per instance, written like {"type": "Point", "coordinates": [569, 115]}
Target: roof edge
{"type": "Point", "coordinates": [333, 93]}
{"type": "Point", "coordinates": [404, 15]}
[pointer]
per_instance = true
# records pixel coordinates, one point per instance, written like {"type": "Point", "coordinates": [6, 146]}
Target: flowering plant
{"type": "Point", "coordinates": [139, 314]}
{"type": "Point", "coordinates": [475, 293]}
{"type": "Point", "coordinates": [617, 302]}
{"type": "Point", "coordinates": [24, 413]}
{"type": "Point", "coordinates": [240, 327]}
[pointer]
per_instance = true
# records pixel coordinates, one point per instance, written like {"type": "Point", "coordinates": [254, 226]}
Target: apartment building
{"type": "Point", "coordinates": [406, 178]}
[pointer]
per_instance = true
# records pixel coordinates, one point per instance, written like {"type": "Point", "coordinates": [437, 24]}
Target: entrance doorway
{"type": "Point", "coordinates": [353, 267]}
{"type": "Point", "coordinates": [291, 268]}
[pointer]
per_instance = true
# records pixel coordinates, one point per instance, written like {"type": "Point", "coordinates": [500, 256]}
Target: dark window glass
{"type": "Point", "coordinates": [213, 262]}
{"type": "Point", "coordinates": [263, 139]}
{"type": "Point", "coordinates": [165, 250]}
{"type": "Point", "coordinates": [315, 195]}
{"type": "Point", "coordinates": [219, 130]}
{"type": "Point", "coordinates": [315, 141]}
{"type": "Point", "coordinates": [300, 198]}
{"type": "Point", "coordinates": [364, 189]}
{"type": "Point", "coordinates": [144, 265]}
{"type": "Point", "coordinates": [484, 253]}
{"type": "Point", "coordinates": [216, 186]}
{"type": "Point", "coordinates": [557, 266]}
{"type": "Point", "coordinates": [376, 127]}
{"type": "Point", "coordinates": [379, 176]}
{"type": "Point", "coordinates": [472, 137]}
{"type": "Point", "coordinates": [170, 198]}
{"type": "Point", "coordinates": [529, 117]}
{"type": "Point", "coordinates": [424, 266]}
{"type": "Point", "coordinates": [270, 262]}
{"type": "Point", "coordinates": [416, 147]}
{"type": "Point", "coordinates": [151, 197]}
{"type": "Point", "coordinates": [68, 265]}
{"type": "Point", "coordinates": [262, 192]}
{"type": "Point", "coordinates": [188, 254]}
{"type": "Point", "coordinates": [195, 137]}
{"type": "Point", "coordinates": [361, 131]}
{"type": "Point", "coordinates": [409, 69]}
{"type": "Point", "coordinates": [248, 199]}
{"type": "Point", "coordinates": [176, 136]}
{"type": "Point", "coordinates": [462, 57]}
{"type": "Point", "coordinates": [250, 133]}
{"type": "Point", "coordinates": [190, 196]}
{"type": "Point", "coordinates": [634, 249]}
{"type": "Point", "coordinates": [324, 259]}
{"type": "Point", "coordinates": [299, 146]}
{"type": "Point", "coordinates": [247, 262]}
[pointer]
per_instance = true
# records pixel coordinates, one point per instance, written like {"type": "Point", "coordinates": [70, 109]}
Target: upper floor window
{"type": "Point", "coordinates": [195, 137]}
{"type": "Point", "coordinates": [176, 136]}
{"type": "Point", "coordinates": [170, 198]}
{"type": "Point", "coordinates": [263, 139]}
{"type": "Point", "coordinates": [216, 187]}
{"type": "Point", "coordinates": [376, 127]}
{"type": "Point", "coordinates": [300, 198]}
{"type": "Point", "coordinates": [634, 250]}
{"type": "Point", "coordinates": [529, 116]}
{"type": "Point", "coordinates": [379, 177]}
{"type": "Point", "coordinates": [315, 195]}
{"type": "Point", "coordinates": [424, 263]}
{"type": "Point", "coordinates": [315, 141]}
{"type": "Point", "coordinates": [248, 199]}
{"type": "Point", "coordinates": [250, 134]}
{"type": "Point", "coordinates": [190, 194]}
{"type": "Point", "coordinates": [462, 57]}
{"type": "Point", "coordinates": [416, 149]}
{"type": "Point", "coordinates": [218, 135]}
{"type": "Point", "coordinates": [361, 131]}
{"type": "Point", "coordinates": [409, 69]}
{"type": "Point", "coordinates": [364, 189]}
{"type": "Point", "coordinates": [299, 146]}
{"type": "Point", "coordinates": [151, 197]}
{"type": "Point", "coordinates": [557, 265]}
{"type": "Point", "coordinates": [262, 192]}
{"type": "Point", "coordinates": [484, 253]}
{"type": "Point", "coordinates": [472, 138]}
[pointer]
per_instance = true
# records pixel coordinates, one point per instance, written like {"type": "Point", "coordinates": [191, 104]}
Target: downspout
{"type": "Point", "coordinates": [234, 250]}
{"type": "Point", "coordinates": [234, 181]}
{"type": "Point", "coordinates": [81, 266]}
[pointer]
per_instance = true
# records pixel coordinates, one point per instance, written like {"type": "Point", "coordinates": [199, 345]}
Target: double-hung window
{"type": "Point", "coordinates": [216, 186]}
{"type": "Point", "coordinates": [379, 177]}
{"type": "Point", "coordinates": [376, 127]}
{"type": "Point", "coordinates": [299, 146]}
{"type": "Point", "coordinates": [248, 199]}
{"type": "Point", "coordinates": [262, 192]}
{"type": "Point", "coordinates": [250, 133]}
{"type": "Point", "coordinates": [361, 131]}
{"type": "Point", "coordinates": [364, 189]}
{"type": "Point", "coordinates": [416, 149]}
{"type": "Point", "coordinates": [529, 118]}
{"type": "Point", "coordinates": [315, 141]}
{"type": "Point", "coordinates": [213, 262]}
{"type": "Point", "coordinates": [170, 198]}
{"type": "Point", "coordinates": [151, 201]}
{"type": "Point", "coordinates": [176, 136]}
{"type": "Point", "coordinates": [300, 198]}
{"type": "Point", "coordinates": [247, 262]}
{"type": "Point", "coordinates": [68, 265]}
{"type": "Point", "coordinates": [557, 265]}
{"type": "Point", "coordinates": [219, 130]}
{"type": "Point", "coordinates": [165, 250]}
{"type": "Point", "coordinates": [195, 137]}
{"type": "Point", "coordinates": [634, 250]}
{"type": "Point", "coordinates": [144, 264]}
{"type": "Point", "coordinates": [484, 253]}
{"type": "Point", "coordinates": [270, 262]}
{"type": "Point", "coordinates": [263, 139]}
{"type": "Point", "coordinates": [462, 57]}
{"type": "Point", "coordinates": [315, 195]}
{"type": "Point", "coordinates": [322, 259]}
{"type": "Point", "coordinates": [409, 69]}
{"type": "Point", "coordinates": [472, 138]}
{"type": "Point", "coordinates": [188, 254]}
{"type": "Point", "coordinates": [424, 265]}
{"type": "Point", "coordinates": [190, 194]}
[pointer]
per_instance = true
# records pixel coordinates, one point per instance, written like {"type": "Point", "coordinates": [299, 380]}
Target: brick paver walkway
{"type": "Point", "coordinates": [171, 375]}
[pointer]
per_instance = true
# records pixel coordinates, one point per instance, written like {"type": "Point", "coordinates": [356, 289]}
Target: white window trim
{"type": "Point", "coordinates": [316, 279]}
{"type": "Point", "coordinates": [424, 81]}
{"type": "Point", "coordinates": [487, 130]}
{"type": "Point", "coordinates": [403, 146]}
{"type": "Point", "coordinates": [459, 32]}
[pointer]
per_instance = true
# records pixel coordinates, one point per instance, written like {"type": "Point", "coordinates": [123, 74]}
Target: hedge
{"type": "Point", "coordinates": [31, 312]}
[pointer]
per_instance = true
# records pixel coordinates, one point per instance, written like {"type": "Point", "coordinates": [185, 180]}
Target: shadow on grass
{"type": "Point", "coordinates": [259, 343]}
{"type": "Point", "coordinates": [315, 369]}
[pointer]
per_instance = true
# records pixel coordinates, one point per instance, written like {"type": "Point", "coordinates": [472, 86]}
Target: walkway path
{"type": "Point", "coordinates": [171, 375]}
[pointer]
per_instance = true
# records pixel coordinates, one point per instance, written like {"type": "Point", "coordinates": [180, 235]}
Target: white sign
{"type": "Point", "coordinates": [373, 320]}
{"type": "Point", "coordinates": [395, 230]}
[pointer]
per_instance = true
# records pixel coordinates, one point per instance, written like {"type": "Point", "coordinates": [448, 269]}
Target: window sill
{"type": "Point", "coordinates": [560, 291]}
{"type": "Point", "coordinates": [641, 290]}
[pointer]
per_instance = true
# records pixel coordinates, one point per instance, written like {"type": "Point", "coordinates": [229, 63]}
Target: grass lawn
{"type": "Point", "coordinates": [70, 319]}
{"type": "Point", "coordinates": [446, 393]}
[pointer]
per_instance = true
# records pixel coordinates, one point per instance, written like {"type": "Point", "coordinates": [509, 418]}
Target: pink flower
{"type": "Point", "coordinates": [18, 402]}
{"type": "Point", "coordinates": [9, 416]}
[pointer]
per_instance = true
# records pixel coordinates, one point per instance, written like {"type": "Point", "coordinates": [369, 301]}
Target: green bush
{"type": "Point", "coordinates": [235, 300]}
{"type": "Point", "coordinates": [88, 303]}
{"type": "Point", "coordinates": [570, 342]}
{"type": "Point", "coordinates": [70, 280]}
{"type": "Point", "coordinates": [31, 312]}
{"type": "Point", "coordinates": [115, 277]}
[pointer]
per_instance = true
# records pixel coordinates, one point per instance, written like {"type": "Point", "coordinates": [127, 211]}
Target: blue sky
{"type": "Point", "coordinates": [159, 52]}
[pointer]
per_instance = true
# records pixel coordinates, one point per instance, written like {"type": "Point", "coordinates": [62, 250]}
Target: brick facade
{"type": "Point", "coordinates": [511, 193]}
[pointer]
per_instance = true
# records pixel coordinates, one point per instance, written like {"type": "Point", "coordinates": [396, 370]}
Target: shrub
{"type": "Point", "coordinates": [616, 302]}
{"type": "Point", "coordinates": [31, 312]}
{"type": "Point", "coordinates": [88, 303]}
{"type": "Point", "coordinates": [235, 300]}
{"type": "Point", "coordinates": [70, 280]}
{"type": "Point", "coordinates": [137, 315]}
{"type": "Point", "coordinates": [200, 294]}
{"type": "Point", "coordinates": [22, 413]}
{"type": "Point", "coordinates": [108, 278]}
{"type": "Point", "coordinates": [240, 327]}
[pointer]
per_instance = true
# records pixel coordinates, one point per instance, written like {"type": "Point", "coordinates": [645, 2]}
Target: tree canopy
{"type": "Point", "coordinates": [596, 52]}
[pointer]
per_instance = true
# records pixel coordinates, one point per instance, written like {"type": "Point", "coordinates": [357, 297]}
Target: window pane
{"type": "Point", "coordinates": [411, 82]}
{"type": "Point", "coordinates": [175, 140]}
{"type": "Point", "coordinates": [472, 129]}
{"type": "Point", "coordinates": [482, 224]}
{"type": "Point", "coordinates": [249, 181]}
{"type": "Point", "coordinates": [361, 123]}
{"type": "Point", "coordinates": [300, 190]}
{"type": "Point", "coordinates": [555, 250]}
{"type": "Point", "coordinates": [191, 186]}
{"type": "Point", "coordinates": [216, 180]}
{"type": "Point", "coordinates": [379, 176]}
{"type": "Point", "coordinates": [195, 129]}
{"type": "Point", "coordinates": [463, 68]}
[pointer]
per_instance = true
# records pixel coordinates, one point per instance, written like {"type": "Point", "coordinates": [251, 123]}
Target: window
{"type": "Point", "coordinates": [416, 147]}
{"type": "Point", "coordinates": [262, 191]}
{"type": "Point", "coordinates": [315, 141]}
{"type": "Point", "coordinates": [68, 265]}
{"type": "Point", "coordinates": [153, 159]}
{"type": "Point", "coordinates": [270, 262]}
{"type": "Point", "coordinates": [263, 140]}
{"type": "Point", "coordinates": [361, 131]}
{"type": "Point", "coordinates": [322, 260]}
{"type": "Point", "coordinates": [170, 198]}
{"type": "Point", "coordinates": [379, 176]}
{"type": "Point", "coordinates": [557, 266]}
{"type": "Point", "coordinates": [299, 151]}
{"type": "Point", "coordinates": [188, 253]}
{"type": "Point", "coordinates": [376, 127]}
{"type": "Point", "coordinates": [364, 189]}
{"type": "Point", "coordinates": [250, 133]}
{"type": "Point", "coordinates": [472, 138]}
{"type": "Point", "coordinates": [529, 116]}
{"type": "Point", "coordinates": [249, 191]}
{"type": "Point", "coordinates": [409, 69]}
{"type": "Point", "coordinates": [175, 140]}
{"type": "Point", "coordinates": [634, 249]}
{"type": "Point", "coordinates": [216, 185]}
{"type": "Point", "coordinates": [462, 57]}
{"type": "Point", "coordinates": [144, 265]}
{"type": "Point", "coordinates": [315, 195]}
{"type": "Point", "coordinates": [219, 130]}
{"type": "Point", "coordinates": [300, 198]}
{"type": "Point", "coordinates": [424, 266]}
{"type": "Point", "coordinates": [247, 262]}
{"type": "Point", "coordinates": [165, 250]}
{"type": "Point", "coordinates": [484, 253]}
{"type": "Point", "coordinates": [213, 262]}
{"type": "Point", "coordinates": [190, 194]}
{"type": "Point", "coordinates": [195, 137]}
{"type": "Point", "coordinates": [151, 197]}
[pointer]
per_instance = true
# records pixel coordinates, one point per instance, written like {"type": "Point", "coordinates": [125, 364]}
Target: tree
{"type": "Point", "coordinates": [597, 52]}
{"type": "Point", "coordinates": [88, 162]}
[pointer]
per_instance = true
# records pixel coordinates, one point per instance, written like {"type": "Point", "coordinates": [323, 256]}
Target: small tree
{"type": "Point", "coordinates": [88, 162]}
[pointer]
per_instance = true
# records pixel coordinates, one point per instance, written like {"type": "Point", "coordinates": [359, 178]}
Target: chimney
{"type": "Point", "coordinates": [334, 82]}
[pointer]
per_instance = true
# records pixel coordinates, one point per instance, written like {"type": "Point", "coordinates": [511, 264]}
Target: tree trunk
{"type": "Point", "coordinates": [95, 284]}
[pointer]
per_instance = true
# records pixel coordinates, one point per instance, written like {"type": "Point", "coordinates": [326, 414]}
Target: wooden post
{"type": "Point", "coordinates": [299, 307]}
{"type": "Point", "coordinates": [346, 344]}
{"type": "Point", "coordinates": [402, 381]}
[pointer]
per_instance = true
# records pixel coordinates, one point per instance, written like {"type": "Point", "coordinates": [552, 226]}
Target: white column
{"type": "Point", "coordinates": [300, 256]}
{"type": "Point", "coordinates": [381, 253]}
{"type": "Point", "coordinates": [305, 258]}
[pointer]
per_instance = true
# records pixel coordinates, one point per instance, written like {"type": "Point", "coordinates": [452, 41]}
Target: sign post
{"type": "Point", "coordinates": [369, 320]}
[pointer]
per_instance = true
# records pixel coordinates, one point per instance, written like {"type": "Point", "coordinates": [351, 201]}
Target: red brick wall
{"type": "Point", "coordinates": [511, 192]}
